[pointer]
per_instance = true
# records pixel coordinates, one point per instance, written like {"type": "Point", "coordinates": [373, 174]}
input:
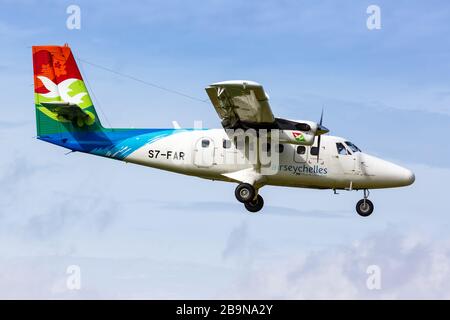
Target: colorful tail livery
{"type": "Point", "coordinates": [65, 114]}
{"type": "Point", "coordinates": [61, 98]}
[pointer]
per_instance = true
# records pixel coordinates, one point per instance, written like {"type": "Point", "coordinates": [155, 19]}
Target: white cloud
{"type": "Point", "coordinates": [411, 268]}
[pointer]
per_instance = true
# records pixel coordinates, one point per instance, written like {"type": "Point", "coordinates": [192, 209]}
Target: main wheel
{"type": "Point", "coordinates": [255, 205]}
{"type": "Point", "coordinates": [245, 192]}
{"type": "Point", "coordinates": [364, 207]}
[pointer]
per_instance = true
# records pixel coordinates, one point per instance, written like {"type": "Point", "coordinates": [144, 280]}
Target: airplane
{"type": "Point", "coordinates": [252, 149]}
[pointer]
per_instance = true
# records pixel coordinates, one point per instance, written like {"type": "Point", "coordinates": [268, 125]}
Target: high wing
{"type": "Point", "coordinates": [241, 103]}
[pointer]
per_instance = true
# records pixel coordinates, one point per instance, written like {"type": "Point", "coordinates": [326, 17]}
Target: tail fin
{"type": "Point", "coordinates": [62, 101]}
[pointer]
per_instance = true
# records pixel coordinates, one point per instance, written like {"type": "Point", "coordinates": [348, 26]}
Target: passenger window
{"type": "Point", "coordinates": [280, 148]}
{"type": "Point", "coordinates": [205, 143]}
{"type": "Point", "coordinates": [266, 147]}
{"type": "Point", "coordinates": [314, 151]}
{"type": "Point", "coordinates": [250, 143]}
{"type": "Point", "coordinates": [239, 143]}
{"type": "Point", "coordinates": [341, 149]}
{"type": "Point", "coordinates": [301, 150]}
{"type": "Point", "coordinates": [226, 144]}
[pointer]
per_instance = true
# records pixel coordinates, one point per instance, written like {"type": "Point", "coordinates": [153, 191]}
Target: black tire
{"type": "Point", "coordinates": [245, 192]}
{"type": "Point", "coordinates": [255, 205]}
{"type": "Point", "coordinates": [364, 209]}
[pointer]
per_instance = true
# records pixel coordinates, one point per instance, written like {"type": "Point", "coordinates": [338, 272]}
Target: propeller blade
{"type": "Point", "coordinates": [321, 130]}
{"type": "Point", "coordinates": [318, 147]}
{"type": "Point", "coordinates": [321, 118]}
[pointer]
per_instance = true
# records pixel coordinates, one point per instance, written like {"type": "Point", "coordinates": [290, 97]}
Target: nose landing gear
{"type": "Point", "coordinates": [247, 194]}
{"type": "Point", "coordinates": [365, 207]}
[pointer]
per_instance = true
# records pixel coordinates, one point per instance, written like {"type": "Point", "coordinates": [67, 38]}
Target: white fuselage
{"type": "Point", "coordinates": [186, 152]}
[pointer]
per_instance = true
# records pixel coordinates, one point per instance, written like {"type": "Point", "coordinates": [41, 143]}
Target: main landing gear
{"type": "Point", "coordinates": [247, 194]}
{"type": "Point", "coordinates": [365, 207]}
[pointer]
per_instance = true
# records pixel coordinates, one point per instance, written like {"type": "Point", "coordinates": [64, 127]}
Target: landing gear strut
{"type": "Point", "coordinates": [247, 194]}
{"type": "Point", "coordinates": [365, 207]}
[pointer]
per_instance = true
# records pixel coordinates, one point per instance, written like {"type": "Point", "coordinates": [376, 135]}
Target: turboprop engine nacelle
{"type": "Point", "coordinates": [296, 137]}
{"type": "Point", "coordinates": [299, 132]}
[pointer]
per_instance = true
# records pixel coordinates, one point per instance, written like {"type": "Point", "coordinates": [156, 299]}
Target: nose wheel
{"type": "Point", "coordinates": [246, 194]}
{"type": "Point", "coordinates": [365, 207]}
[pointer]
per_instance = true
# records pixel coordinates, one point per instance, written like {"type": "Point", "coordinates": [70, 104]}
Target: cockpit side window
{"type": "Point", "coordinates": [341, 149]}
{"type": "Point", "coordinates": [352, 146]}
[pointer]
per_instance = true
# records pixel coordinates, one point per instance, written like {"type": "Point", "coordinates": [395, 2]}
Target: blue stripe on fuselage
{"type": "Point", "coordinates": [111, 143]}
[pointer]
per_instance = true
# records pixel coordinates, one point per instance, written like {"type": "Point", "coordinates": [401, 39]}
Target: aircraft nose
{"type": "Point", "coordinates": [401, 177]}
{"type": "Point", "coordinates": [408, 177]}
{"type": "Point", "coordinates": [386, 174]}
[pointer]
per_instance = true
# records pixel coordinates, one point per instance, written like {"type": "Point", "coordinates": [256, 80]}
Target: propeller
{"type": "Point", "coordinates": [320, 131]}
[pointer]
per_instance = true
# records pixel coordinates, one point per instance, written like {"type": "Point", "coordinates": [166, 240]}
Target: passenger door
{"type": "Point", "coordinates": [204, 153]}
{"type": "Point", "coordinates": [300, 154]}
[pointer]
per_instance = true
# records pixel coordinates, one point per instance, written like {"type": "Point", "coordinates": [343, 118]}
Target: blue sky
{"type": "Point", "coordinates": [141, 233]}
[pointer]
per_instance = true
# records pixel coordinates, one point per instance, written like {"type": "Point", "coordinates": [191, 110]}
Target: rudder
{"type": "Point", "coordinates": [62, 101]}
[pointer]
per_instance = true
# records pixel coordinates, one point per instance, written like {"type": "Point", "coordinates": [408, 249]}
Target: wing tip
{"type": "Point", "coordinates": [237, 83]}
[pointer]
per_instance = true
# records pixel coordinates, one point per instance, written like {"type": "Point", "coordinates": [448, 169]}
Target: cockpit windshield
{"type": "Point", "coordinates": [352, 146]}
